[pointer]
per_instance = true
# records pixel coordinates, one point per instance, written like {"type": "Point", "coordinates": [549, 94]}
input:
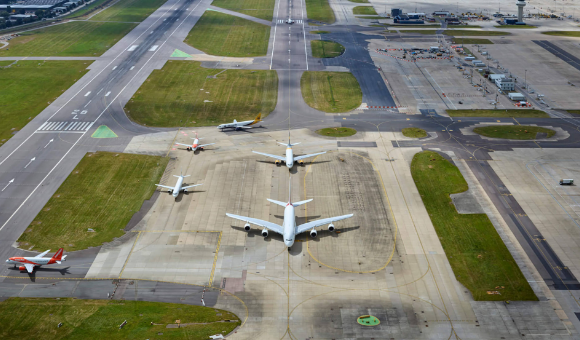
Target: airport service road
{"type": "Point", "coordinates": [38, 159]}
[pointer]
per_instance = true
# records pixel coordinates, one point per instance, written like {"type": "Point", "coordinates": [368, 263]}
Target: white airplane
{"type": "Point", "coordinates": [288, 229]}
{"type": "Point", "coordinates": [241, 125]}
{"type": "Point", "coordinates": [289, 159]}
{"type": "Point", "coordinates": [195, 146]}
{"type": "Point", "coordinates": [174, 191]}
{"type": "Point", "coordinates": [29, 263]}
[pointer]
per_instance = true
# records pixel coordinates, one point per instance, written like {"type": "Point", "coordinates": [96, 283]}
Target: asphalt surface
{"type": "Point", "coordinates": [560, 53]}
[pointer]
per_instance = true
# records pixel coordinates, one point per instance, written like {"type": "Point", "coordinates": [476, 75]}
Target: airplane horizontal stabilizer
{"type": "Point", "coordinates": [302, 202]}
{"type": "Point", "coordinates": [282, 204]}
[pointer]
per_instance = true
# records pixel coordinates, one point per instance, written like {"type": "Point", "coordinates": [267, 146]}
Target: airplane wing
{"type": "Point", "coordinates": [201, 146]}
{"type": "Point", "coordinates": [29, 267]}
{"type": "Point", "coordinates": [268, 225]}
{"type": "Point", "coordinates": [268, 155]}
{"type": "Point", "coordinates": [165, 186]}
{"type": "Point", "coordinates": [188, 145]}
{"type": "Point", "coordinates": [306, 156]}
{"type": "Point", "coordinates": [191, 186]}
{"type": "Point", "coordinates": [41, 255]}
{"type": "Point", "coordinates": [310, 225]}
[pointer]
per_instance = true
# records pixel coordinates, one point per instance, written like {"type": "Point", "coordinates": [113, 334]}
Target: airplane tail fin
{"type": "Point", "coordinates": [302, 202]}
{"type": "Point", "coordinates": [257, 119]}
{"type": "Point", "coordinates": [58, 255]}
{"type": "Point", "coordinates": [235, 121]}
{"type": "Point", "coordinates": [282, 204]}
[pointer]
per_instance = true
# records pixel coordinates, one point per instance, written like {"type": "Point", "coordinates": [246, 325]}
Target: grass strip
{"type": "Point", "coordinates": [102, 193]}
{"type": "Point", "coordinates": [371, 17]}
{"type": "Point", "coordinates": [331, 91]}
{"type": "Point", "coordinates": [468, 33]}
{"type": "Point", "coordinates": [520, 132]}
{"type": "Point", "coordinates": [36, 318]}
{"type": "Point", "coordinates": [364, 10]}
{"type": "Point", "coordinates": [226, 35]}
{"type": "Point", "coordinates": [575, 34]}
{"type": "Point", "coordinates": [360, 1]}
{"type": "Point", "coordinates": [72, 39]}
{"type": "Point", "coordinates": [129, 10]}
{"type": "Point", "coordinates": [336, 132]}
{"type": "Point", "coordinates": [319, 10]}
{"type": "Point", "coordinates": [511, 113]}
{"type": "Point", "coordinates": [414, 132]}
{"type": "Point", "coordinates": [88, 9]}
{"type": "Point", "coordinates": [27, 87]}
{"type": "Point", "coordinates": [183, 93]}
{"type": "Point", "coordinates": [319, 32]}
{"type": "Point", "coordinates": [326, 49]}
{"type": "Point", "coordinates": [263, 9]}
{"type": "Point", "coordinates": [474, 41]}
{"type": "Point", "coordinates": [477, 254]}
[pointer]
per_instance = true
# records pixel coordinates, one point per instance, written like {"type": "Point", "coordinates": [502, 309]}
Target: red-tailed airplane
{"type": "Point", "coordinates": [29, 263]}
{"type": "Point", "coordinates": [195, 146]}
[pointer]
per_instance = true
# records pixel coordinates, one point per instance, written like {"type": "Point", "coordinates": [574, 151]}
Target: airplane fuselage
{"type": "Point", "coordinates": [289, 157]}
{"type": "Point", "coordinates": [177, 188]}
{"type": "Point", "coordinates": [31, 260]}
{"type": "Point", "coordinates": [289, 225]}
{"type": "Point", "coordinates": [195, 144]}
{"type": "Point", "coordinates": [237, 125]}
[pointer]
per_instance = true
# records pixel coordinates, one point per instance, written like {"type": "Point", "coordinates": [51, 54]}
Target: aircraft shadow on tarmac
{"type": "Point", "coordinates": [294, 169]}
{"type": "Point", "coordinates": [297, 247]}
{"type": "Point", "coordinates": [41, 270]}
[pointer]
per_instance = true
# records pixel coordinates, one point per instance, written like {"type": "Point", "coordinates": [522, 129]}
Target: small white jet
{"type": "Point", "coordinates": [288, 229]}
{"type": "Point", "coordinates": [289, 159]}
{"type": "Point", "coordinates": [174, 191]}
{"type": "Point", "coordinates": [241, 125]}
{"type": "Point", "coordinates": [195, 146]}
{"type": "Point", "coordinates": [29, 263]}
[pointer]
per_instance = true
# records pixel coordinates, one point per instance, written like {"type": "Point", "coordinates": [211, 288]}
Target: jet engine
{"type": "Point", "coordinates": [313, 233]}
{"type": "Point", "coordinates": [170, 191]}
{"type": "Point", "coordinates": [265, 232]}
{"type": "Point", "coordinates": [247, 227]}
{"type": "Point", "coordinates": [22, 268]}
{"type": "Point", "coordinates": [331, 227]}
{"type": "Point", "coordinates": [301, 162]}
{"type": "Point", "coordinates": [277, 162]}
{"type": "Point", "coordinates": [185, 191]}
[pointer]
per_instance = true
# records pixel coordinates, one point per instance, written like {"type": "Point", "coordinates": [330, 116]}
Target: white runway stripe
{"type": "Point", "coordinates": [65, 126]}
{"type": "Point", "coordinates": [132, 48]}
{"type": "Point", "coordinates": [153, 48]}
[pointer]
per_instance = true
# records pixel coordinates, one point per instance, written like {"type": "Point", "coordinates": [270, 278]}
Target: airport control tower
{"type": "Point", "coordinates": [521, 4]}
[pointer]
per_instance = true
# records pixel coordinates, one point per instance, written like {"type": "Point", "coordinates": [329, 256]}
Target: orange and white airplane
{"type": "Point", "coordinates": [29, 263]}
{"type": "Point", "coordinates": [195, 146]}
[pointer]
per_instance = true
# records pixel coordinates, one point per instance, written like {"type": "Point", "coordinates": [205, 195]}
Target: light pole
{"type": "Point", "coordinates": [526, 80]}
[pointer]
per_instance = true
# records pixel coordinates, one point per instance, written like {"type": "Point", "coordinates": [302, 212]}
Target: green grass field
{"type": "Point", "coordinates": [26, 89]}
{"type": "Point", "coordinates": [326, 49]}
{"type": "Point", "coordinates": [477, 254]}
{"type": "Point", "coordinates": [425, 32]}
{"type": "Point", "coordinates": [319, 32]}
{"type": "Point", "coordinates": [331, 91]}
{"type": "Point", "coordinates": [263, 9]}
{"type": "Point", "coordinates": [87, 10]}
{"type": "Point", "coordinates": [319, 10]}
{"type": "Point", "coordinates": [103, 192]}
{"type": "Point", "coordinates": [74, 39]}
{"type": "Point", "coordinates": [520, 132]}
{"type": "Point", "coordinates": [511, 113]}
{"type": "Point", "coordinates": [468, 33]}
{"type": "Point", "coordinates": [360, 1]}
{"type": "Point", "coordinates": [336, 132]}
{"type": "Point", "coordinates": [474, 41]}
{"type": "Point", "coordinates": [372, 17]}
{"type": "Point", "coordinates": [226, 35]}
{"type": "Point", "coordinates": [37, 318]}
{"type": "Point", "coordinates": [364, 10]}
{"type": "Point", "coordinates": [129, 10]}
{"type": "Point", "coordinates": [414, 132]}
{"type": "Point", "coordinates": [574, 34]}
{"type": "Point", "coordinates": [172, 96]}
{"type": "Point", "coordinates": [574, 112]}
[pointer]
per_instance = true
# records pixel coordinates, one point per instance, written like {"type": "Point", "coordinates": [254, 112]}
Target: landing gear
{"type": "Point", "coordinates": [188, 149]}
{"type": "Point", "coordinates": [289, 249]}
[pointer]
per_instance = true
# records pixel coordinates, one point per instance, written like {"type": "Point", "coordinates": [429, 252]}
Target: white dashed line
{"type": "Point", "coordinates": [108, 93]}
{"type": "Point", "coordinates": [132, 48]}
{"type": "Point", "coordinates": [88, 93]}
{"type": "Point", "coordinates": [153, 48]}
